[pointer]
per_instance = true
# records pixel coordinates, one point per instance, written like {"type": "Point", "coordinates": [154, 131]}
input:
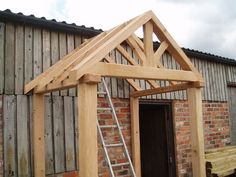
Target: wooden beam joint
{"type": "Point", "coordinates": [90, 79]}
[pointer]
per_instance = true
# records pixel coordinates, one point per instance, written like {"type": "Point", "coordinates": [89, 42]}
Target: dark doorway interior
{"type": "Point", "coordinates": [157, 140]}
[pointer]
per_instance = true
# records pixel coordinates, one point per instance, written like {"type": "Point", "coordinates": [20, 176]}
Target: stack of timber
{"type": "Point", "coordinates": [221, 161]}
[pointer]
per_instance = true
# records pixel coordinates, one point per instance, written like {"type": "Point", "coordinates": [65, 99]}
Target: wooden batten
{"type": "Point", "coordinates": [135, 134]}
{"type": "Point", "coordinates": [196, 126]}
{"type": "Point", "coordinates": [38, 126]}
{"type": "Point", "coordinates": [88, 154]}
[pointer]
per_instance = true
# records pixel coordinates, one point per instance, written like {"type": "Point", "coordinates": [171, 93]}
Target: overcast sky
{"type": "Point", "coordinates": [205, 25]}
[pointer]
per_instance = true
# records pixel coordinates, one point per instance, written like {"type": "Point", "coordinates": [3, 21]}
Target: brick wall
{"type": "Point", "coordinates": [1, 135]}
{"type": "Point", "coordinates": [216, 131]}
{"type": "Point", "coordinates": [216, 127]}
{"type": "Point", "coordinates": [112, 137]}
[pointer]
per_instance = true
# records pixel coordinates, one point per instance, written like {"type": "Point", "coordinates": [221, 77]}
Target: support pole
{"type": "Point", "coordinates": [135, 135]}
{"type": "Point", "coordinates": [39, 144]}
{"type": "Point", "coordinates": [196, 127]}
{"type": "Point", "coordinates": [87, 109]}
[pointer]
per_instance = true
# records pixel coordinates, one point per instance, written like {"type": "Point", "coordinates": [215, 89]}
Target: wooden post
{"type": "Point", "coordinates": [148, 43]}
{"type": "Point", "coordinates": [87, 109]}
{"type": "Point", "coordinates": [135, 135]}
{"type": "Point", "coordinates": [38, 126]}
{"type": "Point", "coordinates": [196, 127]}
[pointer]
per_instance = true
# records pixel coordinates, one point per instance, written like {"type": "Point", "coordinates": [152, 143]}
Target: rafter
{"type": "Point", "coordinates": [139, 52]}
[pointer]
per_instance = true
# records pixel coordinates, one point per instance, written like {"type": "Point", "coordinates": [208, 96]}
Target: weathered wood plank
{"type": "Point", "coordinates": [114, 80]}
{"type": "Point", "coordinates": [23, 162]}
{"type": "Point", "coordinates": [28, 63]}
{"type": "Point", "coordinates": [59, 144]}
{"type": "Point", "coordinates": [9, 112]}
{"type": "Point", "coordinates": [19, 60]}
{"type": "Point", "coordinates": [37, 52]}
{"type": "Point", "coordinates": [46, 50]}
{"type": "Point", "coordinates": [2, 41]}
{"type": "Point", "coordinates": [225, 81]}
{"type": "Point", "coordinates": [120, 84]}
{"type": "Point", "coordinates": [49, 159]}
{"type": "Point", "coordinates": [62, 53]}
{"type": "Point", "coordinates": [78, 42]}
{"type": "Point", "coordinates": [31, 139]}
{"type": "Point", "coordinates": [76, 135]}
{"type": "Point", "coordinates": [54, 51]}
{"type": "Point", "coordinates": [69, 133]}
{"type": "Point", "coordinates": [9, 58]}
{"type": "Point", "coordinates": [70, 47]}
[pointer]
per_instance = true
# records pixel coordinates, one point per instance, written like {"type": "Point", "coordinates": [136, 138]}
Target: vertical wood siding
{"type": "Point", "coordinates": [25, 52]}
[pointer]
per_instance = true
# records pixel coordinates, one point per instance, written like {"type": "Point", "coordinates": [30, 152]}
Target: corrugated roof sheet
{"type": "Point", "coordinates": [7, 15]}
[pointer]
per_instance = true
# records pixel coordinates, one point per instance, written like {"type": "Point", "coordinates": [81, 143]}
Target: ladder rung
{"type": "Point", "coordinates": [101, 93]}
{"type": "Point", "coordinates": [108, 126]}
{"type": "Point", "coordinates": [120, 164]}
{"type": "Point", "coordinates": [114, 145]}
{"type": "Point", "coordinates": [104, 109]}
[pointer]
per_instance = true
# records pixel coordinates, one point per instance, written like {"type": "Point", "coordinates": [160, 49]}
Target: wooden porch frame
{"type": "Point", "coordinates": [83, 67]}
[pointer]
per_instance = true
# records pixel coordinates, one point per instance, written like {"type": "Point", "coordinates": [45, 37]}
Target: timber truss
{"type": "Point", "coordinates": [84, 67]}
{"type": "Point", "coordinates": [88, 59]}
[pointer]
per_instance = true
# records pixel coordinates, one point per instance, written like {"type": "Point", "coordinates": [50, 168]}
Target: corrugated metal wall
{"type": "Point", "coordinates": [25, 52]}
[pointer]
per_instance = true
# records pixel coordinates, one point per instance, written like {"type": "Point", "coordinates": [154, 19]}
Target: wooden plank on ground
{"type": "Point", "coordinates": [58, 122]}
{"type": "Point", "coordinates": [23, 159]}
{"type": "Point", "coordinates": [38, 128]}
{"type": "Point", "coordinates": [88, 155]}
{"type": "Point", "coordinates": [19, 59]}
{"type": "Point", "coordinates": [48, 116]}
{"type": "Point", "coordinates": [69, 133]}
{"type": "Point", "coordinates": [9, 59]}
{"type": "Point", "coordinates": [28, 63]}
{"type": "Point", "coordinates": [9, 112]}
{"type": "Point", "coordinates": [2, 41]}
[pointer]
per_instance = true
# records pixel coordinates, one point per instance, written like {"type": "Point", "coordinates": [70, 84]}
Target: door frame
{"type": "Point", "coordinates": [171, 126]}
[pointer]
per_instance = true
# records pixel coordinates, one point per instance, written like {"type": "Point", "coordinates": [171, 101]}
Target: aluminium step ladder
{"type": "Point", "coordinates": [122, 141]}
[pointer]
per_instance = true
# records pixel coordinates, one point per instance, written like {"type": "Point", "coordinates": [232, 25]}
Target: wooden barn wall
{"type": "Point", "coordinates": [25, 52]}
